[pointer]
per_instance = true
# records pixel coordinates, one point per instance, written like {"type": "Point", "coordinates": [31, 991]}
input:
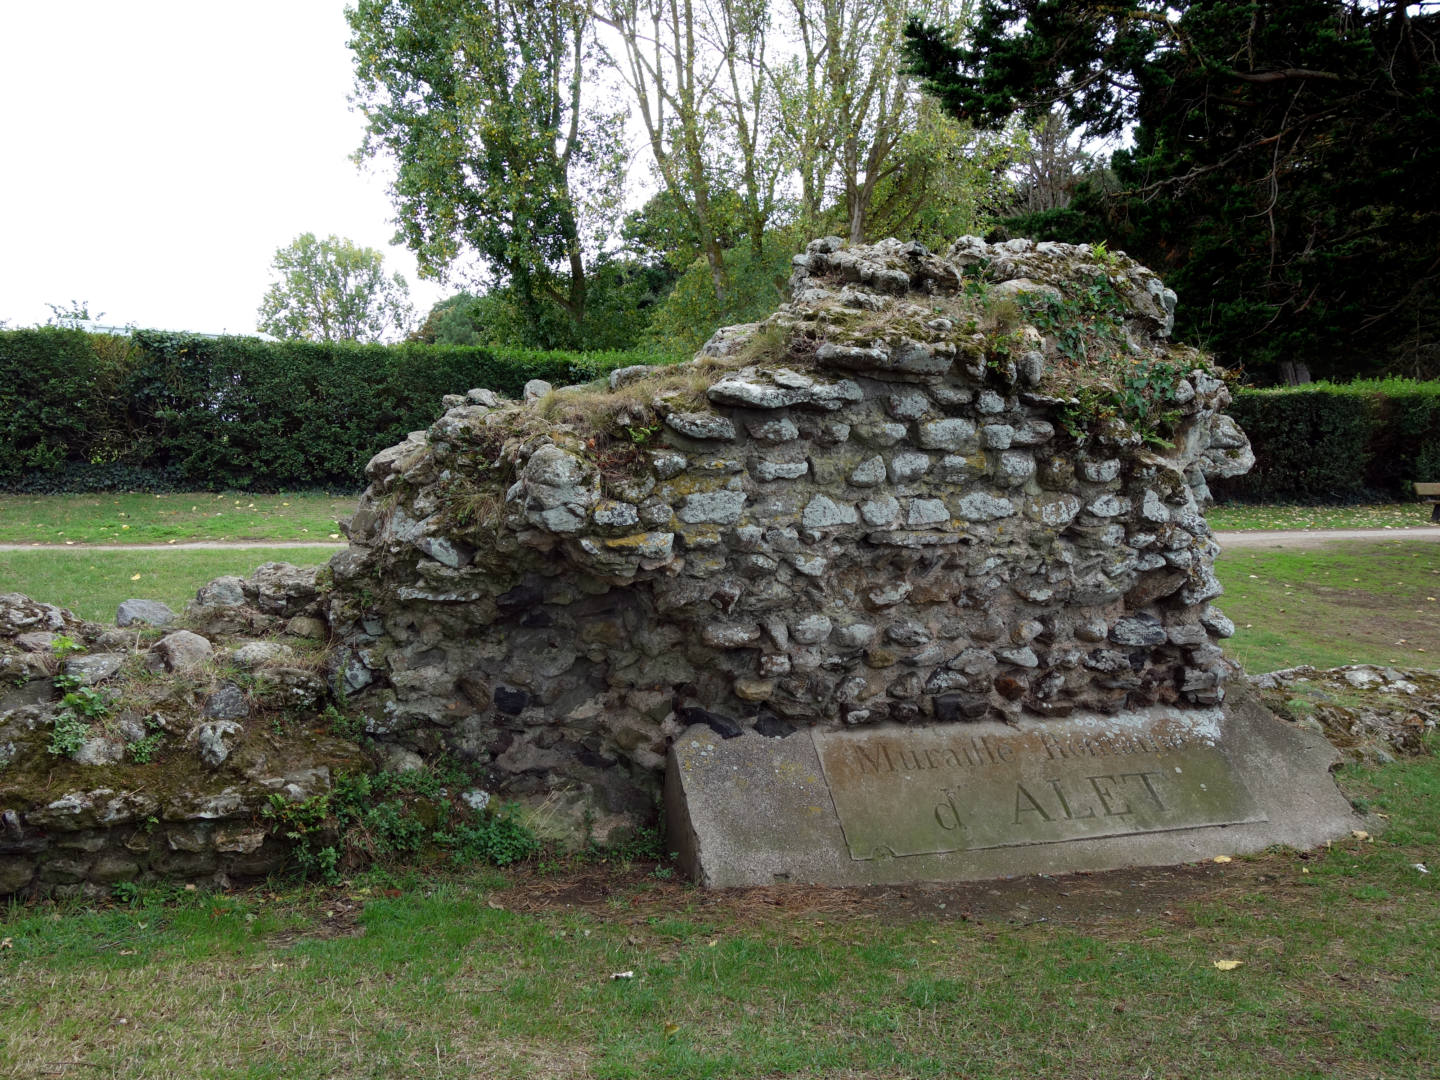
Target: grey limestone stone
{"type": "Point", "coordinates": [810, 565]}
{"type": "Point", "coordinates": [226, 591]}
{"type": "Point", "coordinates": [773, 429]}
{"type": "Point", "coordinates": [667, 463]}
{"type": "Point", "coordinates": [854, 635]}
{"type": "Point", "coordinates": [1100, 472]}
{"type": "Point", "coordinates": [811, 629]}
{"type": "Point", "coordinates": [908, 465]}
{"type": "Point", "coordinates": [211, 740]}
{"type": "Point", "coordinates": [179, 651]}
{"type": "Point", "coordinates": [997, 436]}
{"type": "Point", "coordinates": [880, 511]}
{"type": "Point", "coordinates": [702, 425]}
{"type": "Point", "coordinates": [869, 472]}
{"type": "Point", "coordinates": [823, 512]}
{"type": "Point", "coordinates": [1153, 508]}
{"type": "Point", "coordinates": [94, 668]}
{"type": "Point", "coordinates": [144, 612]}
{"type": "Point", "coordinates": [255, 654]}
{"type": "Point", "coordinates": [1109, 506]}
{"type": "Point", "coordinates": [614, 514]}
{"type": "Point", "coordinates": [953, 433]}
{"type": "Point", "coordinates": [227, 703]}
{"type": "Point", "coordinates": [989, 403]}
{"type": "Point", "coordinates": [712, 507]}
{"type": "Point", "coordinates": [1217, 623]}
{"type": "Point", "coordinates": [780, 470]}
{"type": "Point", "coordinates": [927, 512]}
{"type": "Point", "coordinates": [978, 506]}
{"type": "Point", "coordinates": [1014, 467]}
{"type": "Point", "coordinates": [907, 403]}
{"type": "Point", "coordinates": [1138, 630]}
{"type": "Point", "coordinates": [535, 389]}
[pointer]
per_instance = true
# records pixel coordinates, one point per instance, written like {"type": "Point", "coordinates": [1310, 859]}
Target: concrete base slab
{"type": "Point", "coordinates": [962, 802]}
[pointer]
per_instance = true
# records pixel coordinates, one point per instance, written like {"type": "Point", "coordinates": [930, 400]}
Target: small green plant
{"type": "Point", "coordinates": [143, 751]}
{"type": "Point", "coordinates": [397, 817]}
{"type": "Point", "coordinates": [126, 892]}
{"type": "Point", "coordinates": [342, 726]}
{"type": "Point", "coordinates": [71, 726]}
{"type": "Point", "coordinates": [309, 824]}
{"type": "Point", "coordinates": [642, 434]}
{"type": "Point", "coordinates": [64, 645]}
{"type": "Point", "coordinates": [497, 837]}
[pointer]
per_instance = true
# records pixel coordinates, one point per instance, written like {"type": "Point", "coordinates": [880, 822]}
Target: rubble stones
{"type": "Point", "coordinates": [143, 612]}
{"type": "Point", "coordinates": [180, 651]}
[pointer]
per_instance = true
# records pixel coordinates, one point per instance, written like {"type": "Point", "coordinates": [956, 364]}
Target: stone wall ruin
{"type": "Point", "coordinates": [931, 487]}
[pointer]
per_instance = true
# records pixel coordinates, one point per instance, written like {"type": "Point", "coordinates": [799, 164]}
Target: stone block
{"type": "Point", "coordinates": [969, 801]}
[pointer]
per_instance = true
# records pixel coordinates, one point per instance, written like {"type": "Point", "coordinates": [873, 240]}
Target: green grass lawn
{"type": "Point", "coordinates": [510, 975]}
{"type": "Point", "coordinates": [131, 518]}
{"type": "Point", "coordinates": [1351, 602]}
{"type": "Point", "coordinates": [92, 582]}
{"type": "Point", "coordinates": [1239, 517]}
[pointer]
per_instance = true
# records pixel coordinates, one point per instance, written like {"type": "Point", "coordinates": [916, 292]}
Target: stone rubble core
{"type": "Point", "coordinates": [867, 509]}
{"type": "Point", "coordinates": [231, 723]}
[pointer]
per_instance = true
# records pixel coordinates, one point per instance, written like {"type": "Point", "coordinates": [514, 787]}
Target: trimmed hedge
{"type": "Point", "coordinates": [166, 412]}
{"type": "Point", "coordinates": [1328, 442]}
{"type": "Point", "coordinates": [162, 411]}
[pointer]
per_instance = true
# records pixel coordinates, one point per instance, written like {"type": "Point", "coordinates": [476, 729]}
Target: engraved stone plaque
{"type": "Point", "coordinates": [903, 792]}
{"type": "Point", "coordinates": [967, 801]}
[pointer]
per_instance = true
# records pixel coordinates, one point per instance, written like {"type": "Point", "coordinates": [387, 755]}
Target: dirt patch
{"type": "Point", "coordinates": [1159, 895]}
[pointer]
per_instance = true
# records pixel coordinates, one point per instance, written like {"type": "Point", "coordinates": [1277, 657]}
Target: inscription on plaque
{"type": "Point", "coordinates": [925, 791]}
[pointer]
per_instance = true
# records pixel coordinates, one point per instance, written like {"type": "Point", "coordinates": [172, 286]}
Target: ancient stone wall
{"type": "Point", "coordinates": [146, 753]}
{"type": "Point", "coordinates": [930, 488]}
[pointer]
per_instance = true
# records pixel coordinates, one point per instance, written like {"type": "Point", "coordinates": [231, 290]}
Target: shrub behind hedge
{"type": "Point", "coordinates": [166, 411]}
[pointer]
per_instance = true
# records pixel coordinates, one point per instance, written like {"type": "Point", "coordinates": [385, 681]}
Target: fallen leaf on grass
{"type": "Point", "coordinates": [134, 577]}
{"type": "Point", "coordinates": [1360, 834]}
{"type": "Point", "coordinates": [7, 943]}
{"type": "Point", "coordinates": [1222, 858]}
{"type": "Point", "coordinates": [1228, 965]}
{"type": "Point", "coordinates": [623, 975]}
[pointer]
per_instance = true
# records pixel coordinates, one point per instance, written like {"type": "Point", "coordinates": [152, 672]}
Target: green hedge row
{"type": "Point", "coordinates": [158, 412]}
{"type": "Point", "coordinates": [164, 411]}
{"type": "Point", "coordinates": [1338, 442]}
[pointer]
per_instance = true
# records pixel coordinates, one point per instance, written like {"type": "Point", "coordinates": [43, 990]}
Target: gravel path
{"type": "Point", "coordinates": [1313, 538]}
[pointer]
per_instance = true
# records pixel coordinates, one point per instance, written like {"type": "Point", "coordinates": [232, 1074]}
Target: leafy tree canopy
{"type": "Point", "coordinates": [331, 290]}
{"type": "Point", "coordinates": [1281, 173]}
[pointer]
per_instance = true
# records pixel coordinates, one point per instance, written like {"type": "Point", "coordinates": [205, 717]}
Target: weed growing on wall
{"type": "Point", "coordinates": [416, 817]}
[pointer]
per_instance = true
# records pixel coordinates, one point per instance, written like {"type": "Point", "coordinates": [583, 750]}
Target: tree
{"type": "Point", "coordinates": [479, 105]}
{"type": "Point", "coordinates": [331, 290]}
{"type": "Point", "coordinates": [1277, 173]}
{"type": "Point", "coordinates": [668, 70]}
{"type": "Point", "coordinates": [847, 108]}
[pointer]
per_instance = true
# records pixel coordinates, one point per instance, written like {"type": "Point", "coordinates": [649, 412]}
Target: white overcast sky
{"type": "Point", "coordinates": [155, 153]}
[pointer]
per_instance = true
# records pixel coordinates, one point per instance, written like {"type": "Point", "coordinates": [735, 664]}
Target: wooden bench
{"type": "Point", "coordinates": [1430, 493]}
